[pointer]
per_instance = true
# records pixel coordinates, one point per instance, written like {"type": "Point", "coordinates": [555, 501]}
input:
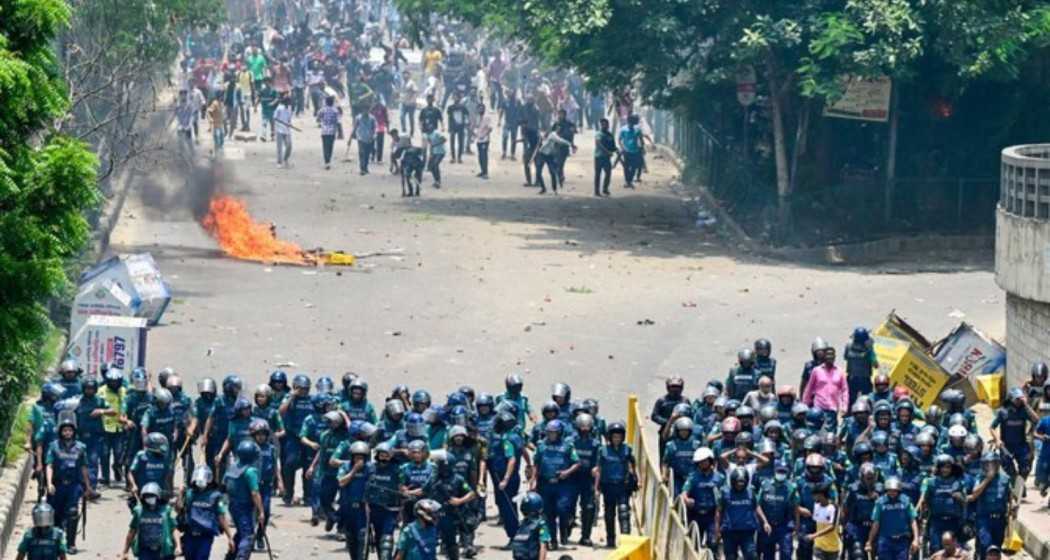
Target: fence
{"type": "Point", "coordinates": [657, 514]}
{"type": "Point", "coordinates": [851, 207]}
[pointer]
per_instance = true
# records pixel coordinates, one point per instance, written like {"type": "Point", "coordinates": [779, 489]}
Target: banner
{"type": "Point", "coordinates": [865, 99]}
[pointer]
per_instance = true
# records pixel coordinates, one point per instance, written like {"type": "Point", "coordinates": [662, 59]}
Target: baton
{"type": "Point", "coordinates": [266, 540]}
{"type": "Point", "coordinates": [289, 125]}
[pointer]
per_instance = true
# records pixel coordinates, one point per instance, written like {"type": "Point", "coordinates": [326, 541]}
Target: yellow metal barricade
{"type": "Point", "coordinates": [657, 514]}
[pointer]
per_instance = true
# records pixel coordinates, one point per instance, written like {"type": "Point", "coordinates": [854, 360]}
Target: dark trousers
{"type": "Point", "coordinates": [740, 543]}
{"type": "Point", "coordinates": [315, 99]}
{"type": "Point", "coordinates": [434, 165]}
{"type": "Point", "coordinates": [364, 153]}
{"type": "Point", "coordinates": [779, 541]}
{"type": "Point", "coordinates": [510, 134]}
{"type": "Point", "coordinates": [327, 145]}
{"type": "Point", "coordinates": [550, 162]}
{"type": "Point", "coordinates": [196, 547]}
{"type": "Point", "coordinates": [483, 158]}
{"type": "Point", "coordinates": [508, 514]}
{"type": "Point", "coordinates": [457, 137]}
{"type": "Point", "coordinates": [377, 147]}
{"type": "Point", "coordinates": [112, 454]}
{"type": "Point", "coordinates": [858, 385]}
{"type": "Point", "coordinates": [602, 175]}
{"type": "Point", "coordinates": [243, 514]}
{"type": "Point", "coordinates": [632, 167]}
{"type": "Point", "coordinates": [298, 100]}
{"type": "Point", "coordinates": [408, 112]}
{"type": "Point", "coordinates": [532, 140]}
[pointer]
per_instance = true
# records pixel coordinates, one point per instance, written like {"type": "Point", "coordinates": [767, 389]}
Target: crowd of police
{"type": "Point", "coordinates": [406, 481]}
{"type": "Point", "coordinates": [778, 473]}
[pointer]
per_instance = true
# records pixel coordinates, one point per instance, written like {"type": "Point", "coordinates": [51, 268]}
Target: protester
{"type": "Point", "coordinates": [328, 119]}
{"type": "Point", "coordinates": [282, 122]}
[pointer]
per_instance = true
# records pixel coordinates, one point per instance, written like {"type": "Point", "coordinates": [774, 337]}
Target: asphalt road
{"type": "Point", "coordinates": [487, 278]}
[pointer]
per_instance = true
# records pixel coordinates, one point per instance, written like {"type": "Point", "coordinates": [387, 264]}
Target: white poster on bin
{"type": "Point", "coordinates": [118, 341]}
{"type": "Point", "coordinates": [968, 352]}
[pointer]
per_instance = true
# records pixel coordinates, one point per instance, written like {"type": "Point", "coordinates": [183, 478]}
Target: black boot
{"type": "Point", "coordinates": [587, 520]}
{"type": "Point", "coordinates": [610, 526]}
{"type": "Point", "coordinates": [71, 534]}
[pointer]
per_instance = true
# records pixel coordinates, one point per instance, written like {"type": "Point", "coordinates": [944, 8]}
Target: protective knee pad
{"type": "Point", "coordinates": [386, 547]}
{"type": "Point", "coordinates": [623, 511]}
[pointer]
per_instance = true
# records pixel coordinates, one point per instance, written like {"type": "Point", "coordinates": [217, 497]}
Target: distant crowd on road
{"type": "Point", "coordinates": [321, 60]}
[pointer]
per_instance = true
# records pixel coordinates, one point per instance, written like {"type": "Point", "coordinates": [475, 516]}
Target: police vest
{"type": "Point", "coordinates": [203, 512]}
{"type": "Point", "coordinates": [464, 461]}
{"type": "Point", "coordinates": [67, 459]}
{"type": "Point", "coordinates": [426, 541]}
{"type": "Point", "coordinates": [942, 501]}
{"type": "Point", "coordinates": [739, 511]}
{"type": "Point", "coordinates": [382, 489]}
{"type": "Point", "coordinates": [996, 497]}
{"type": "Point", "coordinates": [161, 420]}
{"type": "Point", "coordinates": [88, 425]}
{"type": "Point", "coordinates": [613, 463]}
{"type": "Point", "coordinates": [357, 411]}
{"type": "Point", "coordinates": [586, 449]}
{"type": "Point", "coordinates": [858, 361]}
{"type": "Point", "coordinates": [180, 406]}
{"type": "Point", "coordinates": [151, 531]}
{"type": "Point", "coordinates": [775, 502]}
{"type": "Point", "coordinates": [354, 492]}
{"type": "Point", "coordinates": [526, 543]}
{"type": "Point", "coordinates": [151, 468]}
{"type": "Point", "coordinates": [681, 460]}
{"type": "Point", "coordinates": [45, 546]}
{"type": "Point", "coordinates": [767, 368]}
{"type": "Point", "coordinates": [862, 504]}
{"type": "Point", "coordinates": [418, 476]}
{"type": "Point", "coordinates": [267, 465]}
{"type": "Point", "coordinates": [1013, 427]}
{"type": "Point", "coordinates": [553, 459]}
{"type": "Point", "coordinates": [299, 409]}
{"type": "Point", "coordinates": [895, 518]}
{"type": "Point", "coordinates": [743, 381]}
{"type": "Point", "coordinates": [703, 489]}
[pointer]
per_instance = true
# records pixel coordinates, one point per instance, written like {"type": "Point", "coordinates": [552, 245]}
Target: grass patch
{"type": "Point", "coordinates": [579, 290]}
{"type": "Point", "coordinates": [18, 443]}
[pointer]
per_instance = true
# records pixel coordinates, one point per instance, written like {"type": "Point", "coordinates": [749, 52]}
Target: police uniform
{"type": "Point", "coordinates": [415, 476]}
{"type": "Point", "coordinates": [739, 522]}
{"type": "Point", "coordinates": [614, 463]}
{"type": "Point", "coordinates": [418, 541]}
{"type": "Point", "coordinates": [778, 501]}
{"type": "Point", "coordinates": [203, 511]}
{"type": "Point", "coordinates": [705, 489]}
{"type": "Point", "coordinates": [526, 543]}
{"type": "Point", "coordinates": [154, 532]}
{"type": "Point", "coordinates": [135, 405]}
{"type": "Point", "coordinates": [46, 543]}
{"type": "Point", "coordinates": [992, 509]}
{"type": "Point", "coordinates": [312, 428]}
{"type": "Point", "coordinates": [149, 467]}
{"type": "Point", "coordinates": [1012, 422]}
{"type": "Point", "coordinates": [550, 459]}
{"type": "Point", "coordinates": [384, 504]}
{"type": "Point", "coordinates": [442, 488]}
{"type": "Point", "coordinates": [67, 459]}
{"type": "Point", "coordinates": [741, 381]}
{"type": "Point", "coordinates": [946, 512]}
{"type": "Point", "coordinates": [328, 485]}
{"type": "Point", "coordinates": [860, 361]}
{"type": "Point", "coordinates": [203, 408]}
{"type": "Point", "coordinates": [358, 410]}
{"type": "Point", "coordinates": [894, 517]}
{"type": "Point", "coordinates": [90, 433]}
{"type": "Point", "coordinates": [465, 461]}
{"type": "Point", "coordinates": [241, 482]}
{"type": "Point", "coordinates": [859, 505]}
{"type": "Point", "coordinates": [509, 445]}
{"type": "Point", "coordinates": [805, 500]}
{"type": "Point", "coordinates": [678, 455]}
{"type": "Point", "coordinates": [293, 452]}
{"type": "Point", "coordinates": [267, 467]}
{"type": "Point", "coordinates": [587, 449]}
{"type": "Point", "coordinates": [353, 513]}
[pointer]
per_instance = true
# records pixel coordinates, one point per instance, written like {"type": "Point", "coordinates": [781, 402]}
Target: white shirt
{"type": "Point", "coordinates": [282, 116]}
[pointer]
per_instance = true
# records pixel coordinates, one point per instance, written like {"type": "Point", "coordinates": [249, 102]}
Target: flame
{"type": "Point", "coordinates": [240, 236]}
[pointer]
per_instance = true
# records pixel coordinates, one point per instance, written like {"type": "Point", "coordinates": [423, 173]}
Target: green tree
{"type": "Point", "coordinates": [47, 182]}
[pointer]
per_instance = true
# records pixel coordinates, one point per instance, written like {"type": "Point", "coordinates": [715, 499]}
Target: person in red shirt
{"type": "Point", "coordinates": [382, 117]}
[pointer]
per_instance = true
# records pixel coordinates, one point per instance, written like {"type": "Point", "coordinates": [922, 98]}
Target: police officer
{"type": "Point", "coordinates": [415, 475]}
{"type": "Point", "coordinates": [295, 408]}
{"type": "Point", "coordinates": [356, 405]}
{"type": "Point", "coordinates": [765, 363]}
{"type": "Point", "coordinates": [44, 541]}
{"type": "Point", "coordinates": [90, 410]}
{"type": "Point", "coordinates": [587, 445]}
{"type": "Point", "coordinates": [158, 417]}
{"type": "Point", "coordinates": [555, 463]}
{"type": "Point", "coordinates": [814, 476]}
{"type": "Point", "coordinates": [513, 395]}
{"type": "Point", "coordinates": [353, 514]}
{"type": "Point", "coordinates": [466, 458]}
{"type": "Point", "coordinates": [200, 412]}
{"type": "Point", "coordinates": [238, 429]}
{"type": "Point", "coordinates": [743, 378]}
{"type": "Point", "coordinates": [217, 426]}
{"type": "Point", "coordinates": [203, 507]}
{"type": "Point", "coordinates": [152, 464]}
{"type": "Point", "coordinates": [393, 418]}
{"type": "Point", "coordinates": [735, 518]}
{"type": "Point", "coordinates": [664, 405]}
{"type": "Point", "coordinates": [263, 408]}
{"type": "Point", "coordinates": [615, 478]}
{"type": "Point", "coordinates": [1013, 419]}
{"type": "Point", "coordinates": [279, 384]}
{"type": "Point", "coordinates": [67, 477]}
{"type": "Point", "coordinates": [894, 531]}
{"type": "Point", "coordinates": [181, 407]}
{"type": "Point", "coordinates": [994, 502]}
{"type": "Point", "coordinates": [505, 456]}
{"type": "Point", "coordinates": [113, 439]}
{"type": "Point", "coordinates": [678, 454]}
{"type": "Point", "coordinates": [701, 493]}
{"type": "Point", "coordinates": [943, 497]}
{"type": "Point", "coordinates": [858, 507]}
{"type": "Point", "coordinates": [419, 539]}
{"type": "Point", "coordinates": [310, 437]}
{"type": "Point", "coordinates": [383, 498]}
{"type": "Point", "coordinates": [860, 363]}
{"type": "Point", "coordinates": [69, 378]}
{"type": "Point", "coordinates": [269, 466]}
{"type": "Point", "coordinates": [437, 429]}
{"type": "Point", "coordinates": [136, 403]}
{"type": "Point", "coordinates": [454, 494]}
{"type": "Point", "coordinates": [151, 534]}
{"type": "Point", "coordinates": [777, 502]}
{"type": "Point", "coordinates": [246, 505]}
{"type": "Point", "coordinates": [533, 537]}
{"type": "Point", "coordinates": [325, 465]}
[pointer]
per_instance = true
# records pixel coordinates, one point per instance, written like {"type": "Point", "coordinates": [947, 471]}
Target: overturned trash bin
{"type": "Point", "coordinates": [139, 277]}
{"type": "Point", "coordinates": [101, 297]}
{"type": "Point", "coordinates": [112, 340]}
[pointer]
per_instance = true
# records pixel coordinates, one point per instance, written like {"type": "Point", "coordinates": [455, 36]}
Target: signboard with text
{"type": "Point", "coordinates": [865, 99]}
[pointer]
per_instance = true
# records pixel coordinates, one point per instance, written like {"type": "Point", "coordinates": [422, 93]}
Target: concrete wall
{"type": "Point", "coordinates": [1027, 336]}
{"type": "Point", "coordinates": [1022, 256]}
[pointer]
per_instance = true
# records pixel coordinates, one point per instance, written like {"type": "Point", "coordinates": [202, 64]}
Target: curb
{"type": "Point", "coordinates": [726, 224]}
{"type": "Point", "coordinates": [1035, 545]}
{"type": "Point", "coordinates": [13, 486]}
{"type": "Point", "coordinates": [110, 213]}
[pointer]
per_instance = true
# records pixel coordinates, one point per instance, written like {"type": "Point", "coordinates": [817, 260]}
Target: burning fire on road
{"type": "Point", "coordinates": [241, 237]}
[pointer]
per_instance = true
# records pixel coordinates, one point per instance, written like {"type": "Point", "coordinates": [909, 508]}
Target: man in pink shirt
{"type": "Point", "coordinates": [827, 390]}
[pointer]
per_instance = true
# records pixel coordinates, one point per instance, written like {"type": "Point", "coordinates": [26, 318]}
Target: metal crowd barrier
{"type": "Point", "coordinates": [656, 513]}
